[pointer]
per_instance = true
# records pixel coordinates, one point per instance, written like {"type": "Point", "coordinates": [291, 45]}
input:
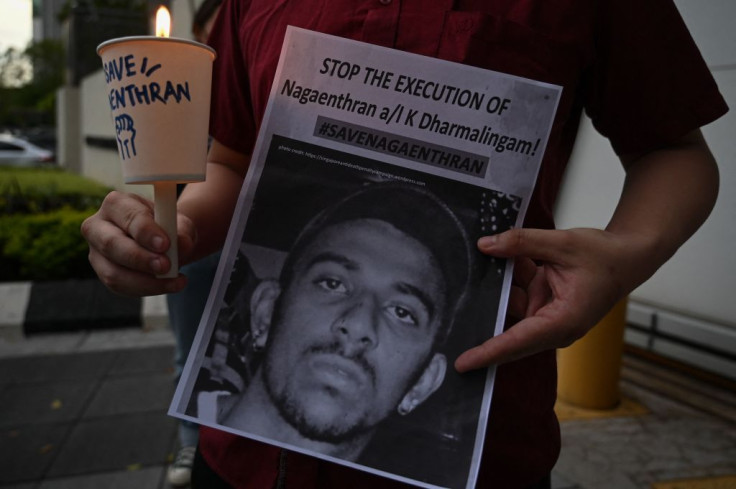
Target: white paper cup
{"type": "Point", "coordinates": [159, 95]}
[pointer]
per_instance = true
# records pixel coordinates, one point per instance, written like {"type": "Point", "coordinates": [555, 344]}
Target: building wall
{"type": "Point", "coordinates": [100, 162]}
{"type": "Point", "coordinates": [45, 19]}
{"type": "Point", "coordinates": [687, 310]}
{"type": "Point", "coordinates": [181, 18]}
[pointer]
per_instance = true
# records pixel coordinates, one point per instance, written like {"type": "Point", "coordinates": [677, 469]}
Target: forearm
{"type": "Point", "coordinates": [210, 204]}
{"type": "Point", "coordinates": [667, 196]}
{"type": "Point", "coordinates": [566, 280]}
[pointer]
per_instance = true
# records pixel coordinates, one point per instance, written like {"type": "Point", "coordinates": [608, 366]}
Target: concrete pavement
{"type": "Point", "coordinates": [90, 413]}
{"type": "Point", "coordinates": [87, 409]}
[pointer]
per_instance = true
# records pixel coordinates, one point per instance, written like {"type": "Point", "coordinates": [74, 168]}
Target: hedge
{"type": "Point", "coordinates": [33, 190]}
{"type": "Point", "coordinates": [41, 211]}
{"type": "Point", "coordinates": [44, 246]}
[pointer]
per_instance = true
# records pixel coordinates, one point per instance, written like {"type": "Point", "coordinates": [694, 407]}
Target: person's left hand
{"type": "Point", "coordinates": [564, 283]}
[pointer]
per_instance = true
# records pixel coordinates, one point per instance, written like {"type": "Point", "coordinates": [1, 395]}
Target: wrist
{"type": "Point", "coordinates": [642, 254]}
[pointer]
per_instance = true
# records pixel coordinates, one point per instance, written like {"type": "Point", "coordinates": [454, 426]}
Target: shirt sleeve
{"type": "Point", "coordinates": [232, 120]}
{"type": "Point", "coordinates": [649, 83]}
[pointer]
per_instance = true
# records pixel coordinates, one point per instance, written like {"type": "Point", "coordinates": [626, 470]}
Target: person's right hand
{"type": "Point", "coordinates": [127, 248]}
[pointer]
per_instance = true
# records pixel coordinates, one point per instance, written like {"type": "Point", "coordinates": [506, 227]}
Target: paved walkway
{"type": "Point", "coordinates": [87, 411]}
{"type": "Point", "coordinates": [673, 431]}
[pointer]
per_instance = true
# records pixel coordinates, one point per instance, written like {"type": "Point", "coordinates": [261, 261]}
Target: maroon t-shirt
{"type": "Point", "coordinates": [631, 65]}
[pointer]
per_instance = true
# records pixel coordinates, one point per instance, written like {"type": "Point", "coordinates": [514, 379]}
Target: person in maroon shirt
{"type": "Point", "coordinates": [630, 65]}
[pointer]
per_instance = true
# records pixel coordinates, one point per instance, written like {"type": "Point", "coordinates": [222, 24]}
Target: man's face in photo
{"type": "Point", "coordinates": [353, 331]}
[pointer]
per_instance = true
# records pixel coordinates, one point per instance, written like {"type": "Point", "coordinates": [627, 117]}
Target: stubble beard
{"type": "Point", "coordinates": [296, 414]}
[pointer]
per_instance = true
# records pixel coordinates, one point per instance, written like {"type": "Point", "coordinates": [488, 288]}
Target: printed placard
{"type": "Point", "coordinates": [350, 280]}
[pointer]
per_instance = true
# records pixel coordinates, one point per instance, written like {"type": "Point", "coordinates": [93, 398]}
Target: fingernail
{"type": "Point", "coordinates": [157, 265]}
{"type": "Point", "coordinates": [460, 364]}
{"type": "Point", "coordinates": [487, 241]}
{"type": "Point", "coordinates": [158, 243]}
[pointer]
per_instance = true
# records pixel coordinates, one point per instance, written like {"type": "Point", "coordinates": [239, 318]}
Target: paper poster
{"type": "Point", "coordinates": [350, 280]}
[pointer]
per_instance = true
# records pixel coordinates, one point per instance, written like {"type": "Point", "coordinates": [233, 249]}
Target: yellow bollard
{"type": "Point", "coordinates": [589, 370]}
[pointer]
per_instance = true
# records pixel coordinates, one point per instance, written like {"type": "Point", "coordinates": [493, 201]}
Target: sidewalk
{"type": "Point", "coordinates": [673, 430]}
{"type": "Point", "coordinates": [86, 410]}
{"type": "Point", "coordinates": [89, 414]}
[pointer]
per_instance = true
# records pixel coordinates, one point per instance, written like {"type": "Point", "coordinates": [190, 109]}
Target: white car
{"type": "Point", "coordinates": [15, 151]}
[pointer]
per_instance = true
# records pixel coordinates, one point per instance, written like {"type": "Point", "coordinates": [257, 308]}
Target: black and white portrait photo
{"type": "Point", "coordinates": [353, 287]}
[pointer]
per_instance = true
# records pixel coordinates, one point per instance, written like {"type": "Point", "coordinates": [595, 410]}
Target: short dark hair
{"type": "Point", "coordinates": [413, 210]}
{"type": "Point", "coordinates": [203, 14]}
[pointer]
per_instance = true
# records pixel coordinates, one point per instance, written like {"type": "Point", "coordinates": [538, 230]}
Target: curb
{"type": "Point", "coordinates": [28, 308]}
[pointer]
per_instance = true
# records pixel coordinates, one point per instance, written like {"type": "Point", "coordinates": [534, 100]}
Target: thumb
{"type": "Point", "coordinates": [537, 244]}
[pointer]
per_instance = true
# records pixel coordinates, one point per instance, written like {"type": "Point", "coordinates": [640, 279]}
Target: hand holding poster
{"type": "Point", "coordinates": [350, 280]}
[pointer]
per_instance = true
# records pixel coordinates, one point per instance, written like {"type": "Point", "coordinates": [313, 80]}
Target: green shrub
{"type": "Point", "coordinates": [44, 246]}
{"type": "Point", "coordinates": [41, 211]}
{"type": "Point", "coordinates": [31, 190]}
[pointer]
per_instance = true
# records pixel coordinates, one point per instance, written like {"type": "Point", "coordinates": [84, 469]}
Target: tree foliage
{"type": "Point", "coordinates": [28, 83]}
{"type": "Point", "coordinates": [15, 68]}
{"type": "Point", "coordinates": [30, 77]}
{"type": "Point", "coordinates": [66, 9]}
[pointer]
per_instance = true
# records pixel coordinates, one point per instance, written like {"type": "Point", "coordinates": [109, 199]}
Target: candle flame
{"type": "Point", "coordinates": [163, 22]}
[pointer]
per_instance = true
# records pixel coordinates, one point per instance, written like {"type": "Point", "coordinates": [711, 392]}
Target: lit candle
{"type": "Point", "coordinates": [159, 97]}
{"type": "Point", "coordinates": [164, 192]}
{"type": "Point", "coordinates": [163, 22]}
